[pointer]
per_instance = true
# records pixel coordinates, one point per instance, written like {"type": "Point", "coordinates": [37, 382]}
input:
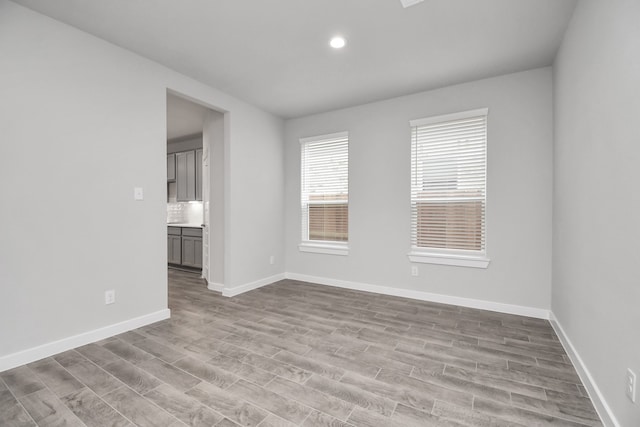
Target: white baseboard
{"type": "Point", "coordinates": [602, 408]}
{"type": "Point", "coordinates": [14, 360]}
{"type": "Point", "coordinates": [218, 287]}
{"type": "Point", "coordinates": [232, 292]}
{"type": "Point", "coordinates": [539, 313]}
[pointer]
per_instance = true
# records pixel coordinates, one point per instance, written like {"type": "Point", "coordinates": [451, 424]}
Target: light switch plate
{"type": "Point", "coordinates": [138, 194]}
{"type": "Point", "coordinates": [109, 296]}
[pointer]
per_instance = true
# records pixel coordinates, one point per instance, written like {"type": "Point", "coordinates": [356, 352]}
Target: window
{"type": "Point", "coordinates": [325, 193]}
{"type": "Point", "coordinates": [448, 189]}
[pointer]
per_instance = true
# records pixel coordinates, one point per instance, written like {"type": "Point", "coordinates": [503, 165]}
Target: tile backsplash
{"type": "Point", "coordinates": [184, 212]}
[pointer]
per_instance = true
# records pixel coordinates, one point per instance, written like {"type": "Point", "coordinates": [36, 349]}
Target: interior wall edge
{"type": "Point", "coordinates": [597, 398]}
{"type": "Point", "coordinates": [237, 290]}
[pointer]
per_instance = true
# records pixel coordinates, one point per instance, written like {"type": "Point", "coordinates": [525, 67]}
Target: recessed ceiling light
{"type": "Point", "coordinates": [407, 3]}
{"type": "Point", "coordinates": [337, 42]}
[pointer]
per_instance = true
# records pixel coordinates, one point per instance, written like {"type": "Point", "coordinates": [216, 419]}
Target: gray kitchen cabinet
{"type": "Point", "coordinates": [185, 176]}
{"type": "Point", "coordinates": [199, 174]}
{"type": "Point", "coordinates": [185, 246]}
{"type": "Point", "coordinates": [192, 247]}
{"type": "Point", "coordinates": [171, 167]}
{"type": "Point", "coordinates": [174, 249]}
{"type": "Point", "coordinates": [192, 251]}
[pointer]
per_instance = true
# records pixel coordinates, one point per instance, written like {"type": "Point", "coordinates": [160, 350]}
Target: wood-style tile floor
{"type": "Point", "coordinates": [301, 354]}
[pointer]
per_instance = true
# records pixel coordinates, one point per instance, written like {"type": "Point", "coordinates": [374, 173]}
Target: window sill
{"type": "Point", "coordinates": [324, 248]}
{"type": "Point", "coordinates": [457, 260]}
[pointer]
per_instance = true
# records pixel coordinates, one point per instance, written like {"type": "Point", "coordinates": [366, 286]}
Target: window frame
{"type": "Point", "coordinates": [328, 247]}
{"type": "Point", "coordinates": [443, 256]}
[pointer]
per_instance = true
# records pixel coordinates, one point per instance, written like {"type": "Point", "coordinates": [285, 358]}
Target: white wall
{"type": "Point", "coordinates": [215, 173]}
{"type": "Point", "coordinates": [175, 146]}
{"type": "Point", "coordinates": [519, 192]}
{"type": "Point", "coordinates": [87, 117]}
{"type": "Point", "coordinates": [596, 290]}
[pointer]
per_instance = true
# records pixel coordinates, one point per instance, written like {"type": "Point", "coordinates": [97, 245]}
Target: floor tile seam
{"type": "Point", "coordinates": [85, 358]}
{"type": "Point", "coordinates": [556, 379]}
{"type": "Point", "coordinates": [164, 382]}
{"type": "Point", "coordinates": [101, 369]}
{"type": "Point", "coordinates": [433, 384]}
{"type": "Point", "coordinates": [353, 405]}
{"type": "Point", "coordinates": [506, 359]}
{"type": "Point", "coordinates": [458, 335]}
{"type": "Point", "coordinates": [147, 400]}
{"type": "Point", "coordinates": [195, 401]}
{"type": "Point", "coordinates": [280, 376]}
{"type": "Point", "coordinates": [161, 359]}
{"type": "Point", "coordinates": [532, 354]}
{"type": "Point", "coordinates": [240, 399]}
{"type": "Point", "coordinates": [577, 405]}
{"type": "Point", "coordinates": [431, 358]}
{"type": "Point", "coordinates": [46, 385]}
{"type": "Point", "coordinates": [353, 408]}
{"type": "Point", "coordinates": [84, 385]}
{"type": "Point", "coordinates": [110, 406]}
{"type": "Point", "coordinates": [267, 410]}
{"type": "Point", "coordinates": [54, 394]}
{"type": "Point", "coordinates": [18, 400]}
{"type": "Point", "coordinates": [557, 415]}
{"type": "Point", "coordinates": [305, 418]}
{"type": "Point", "coordinates": [529, 384]}
{"type": "Point", "coordinates": [346, 401]}
{"type": "Point", "coordinates": [126, 359]}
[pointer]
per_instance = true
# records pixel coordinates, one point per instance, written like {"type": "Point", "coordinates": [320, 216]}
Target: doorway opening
{"type": "Point", "coordinates": [195, 189]}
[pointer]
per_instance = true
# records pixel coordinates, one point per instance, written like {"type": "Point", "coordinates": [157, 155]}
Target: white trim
{"type": "Point", "coordinates": [23, 357]}
{"type": "Point", "coordinates": [449, 117]}
{"type": "Point", "coordinates": [539, 313]}
{"type": "Point", "coordinates": [597, 398]}
{"type": "Point", "coordinates": [324, 248]}
{"type": "Point", "coordinates": [232, 292]}
{"type": "Point", "coordinates": [218, 287]}
{"type": "Point", "coordinates": [449, 259]}
{"type": "Point", "coordinates": [326, 137]}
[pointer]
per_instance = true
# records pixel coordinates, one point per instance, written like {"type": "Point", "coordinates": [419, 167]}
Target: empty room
{"type": "Point", "coordinates": [376, 213]}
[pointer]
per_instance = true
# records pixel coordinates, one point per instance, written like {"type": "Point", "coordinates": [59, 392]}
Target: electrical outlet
{"type": "Point", "coordinates": [631, 385]}
{"type": "Point", "coordinates": [109, 296]}
{"type": "Point", "coordinates": [414, 270]}
{"type": "Point", "coordinates": [272, 260]}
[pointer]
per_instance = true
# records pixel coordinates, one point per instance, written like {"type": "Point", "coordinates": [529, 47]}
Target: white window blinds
{"type": "Point", "coordinates": [325, 188]}
{"type": "Point", "coordinates": [448, 183]}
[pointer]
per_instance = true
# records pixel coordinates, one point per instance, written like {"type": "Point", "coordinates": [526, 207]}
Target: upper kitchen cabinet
{"type": "Point", "coordinates": [171, 167]}
{"type": "Point", "coordinates": [199, 174]}
{"type": "Point", "coordinates": [186, 176]}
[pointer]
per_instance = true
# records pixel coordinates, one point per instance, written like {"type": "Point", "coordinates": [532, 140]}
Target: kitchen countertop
{"type": "Point", "coordinates": [184, 225]}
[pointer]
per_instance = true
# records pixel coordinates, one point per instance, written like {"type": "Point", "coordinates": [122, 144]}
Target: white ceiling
{"type": "Point", "coordinates": [184, 117]}
{"type": "Point", "coordinates": [275, 53]}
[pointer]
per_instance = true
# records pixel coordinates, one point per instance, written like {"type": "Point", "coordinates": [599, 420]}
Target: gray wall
{"type": "Point", "coordinates": [596, 291]}
{"type": "Point", "coordinates": [83, 122]}
{"type": "Point", "coordinates": [519, 191]}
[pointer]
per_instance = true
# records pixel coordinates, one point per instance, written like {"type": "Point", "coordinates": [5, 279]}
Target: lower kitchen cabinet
{"type": "Point", "coordinates": [185, 246]}
{"type": "Point", "coordinates": [192, 251]}
{"type": "Point", "coordinates": [174, 247]}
